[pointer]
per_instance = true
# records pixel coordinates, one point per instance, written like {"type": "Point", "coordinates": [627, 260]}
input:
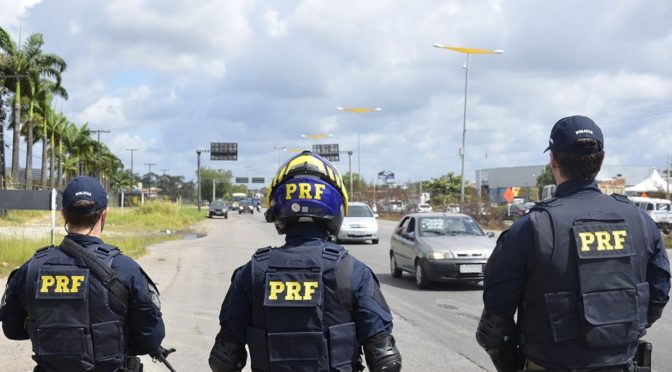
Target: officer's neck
{"type": "Point", "coordinates": [302, 231]}
{"type": "Point", "coordinates": [96, 231]}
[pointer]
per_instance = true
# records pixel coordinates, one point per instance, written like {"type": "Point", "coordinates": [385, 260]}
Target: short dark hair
{"type": "Point", "coordinates": [87, 220]}
{"type": "Point", "coordinates": [580, 167]}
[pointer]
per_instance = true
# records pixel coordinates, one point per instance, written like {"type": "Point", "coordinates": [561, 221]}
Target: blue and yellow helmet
{"type": "Point", "coordinates": [307, 185]}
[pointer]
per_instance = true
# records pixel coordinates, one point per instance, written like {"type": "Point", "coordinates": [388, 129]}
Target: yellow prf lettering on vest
{"type": "Point", "coordinates": [61, 283]}
{"type": "Point", "coordinates": [602, 240]}
{"type": "Point", "coordinates": [293, 291]}
{"type": "Point", "coordinates": [305, 190]}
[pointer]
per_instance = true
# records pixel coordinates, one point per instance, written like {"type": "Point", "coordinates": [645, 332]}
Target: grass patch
{"type": "Point", "coordinates": [16, 218]}
{"type": "Point", "coordinates": [132, 230]}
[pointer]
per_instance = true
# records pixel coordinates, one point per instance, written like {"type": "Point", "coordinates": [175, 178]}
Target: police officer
{"type": "Point", "coordinates": [76, 319]}
{"type": "Point", "coordinates": [587, 272]}
{"type": "Point", "coordinates": [308, 305]}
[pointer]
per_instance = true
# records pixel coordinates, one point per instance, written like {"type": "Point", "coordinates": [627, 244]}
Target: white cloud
{"type": "Point", "coordinates": [106, 113]}
{"type": "Point", "coordinates": [179, 76]}
{"type": "Point", "coordinates": [13, 11]}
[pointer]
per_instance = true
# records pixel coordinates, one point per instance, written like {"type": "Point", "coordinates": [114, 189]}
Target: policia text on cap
{"type": "Point", "coordinates": [587, 273]}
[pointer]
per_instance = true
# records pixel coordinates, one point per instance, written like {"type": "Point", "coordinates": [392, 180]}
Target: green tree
{"type": "Point", "coordinates": [445, 189]}
{"type": "Point", "coordinates": [545, 178]}
{"type": "Point", "coordinates": [30, 61]}
{"type": "Point", "coordinates": [223, 186]}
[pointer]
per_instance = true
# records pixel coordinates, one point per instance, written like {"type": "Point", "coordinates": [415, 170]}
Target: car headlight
{"type": "Point", "coordinates": [439, 255]}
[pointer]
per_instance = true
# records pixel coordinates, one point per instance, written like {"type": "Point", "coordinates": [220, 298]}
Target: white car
{"type": "Point", "coordinates": [359, 225]}
{"type": "Point", "coordinates": [424, 208]}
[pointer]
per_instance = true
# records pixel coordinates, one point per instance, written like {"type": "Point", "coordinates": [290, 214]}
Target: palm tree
{"type": "Point", "coordinates": [31, 61]}
{"type": "Point", "coordinates": [42, 102]}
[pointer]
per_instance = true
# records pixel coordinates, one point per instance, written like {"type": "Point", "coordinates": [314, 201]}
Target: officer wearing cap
{"type": "Point", "coordinates": [586, 272]}
{"type": "Point", "coordinates": [76, 320]}
{"type": "Point", "coordinates": [308, 305]}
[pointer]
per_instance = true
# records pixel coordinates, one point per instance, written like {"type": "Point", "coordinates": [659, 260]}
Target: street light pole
{"type": "Point", "coordinates": [467, 52]}
{"type": "Point", "coordinates": [198, 176]}
{"type": "Point", "coordinates": [359, 110]}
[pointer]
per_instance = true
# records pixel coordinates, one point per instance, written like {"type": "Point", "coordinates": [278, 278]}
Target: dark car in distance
{"type": "Point", "coordinates": [245, 206]}
{"type": "Point", "coordinates": [218, 208]}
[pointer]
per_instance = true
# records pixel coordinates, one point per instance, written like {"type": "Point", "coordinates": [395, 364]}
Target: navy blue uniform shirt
{"type": "Point", "coordinates": [505, 271]}
{"type": "Point", "coordinates": [144, 318]}
{"type": "Point", "coordinates": [371, 316]}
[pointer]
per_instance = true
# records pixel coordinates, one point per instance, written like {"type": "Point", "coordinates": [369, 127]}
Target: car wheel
{"type": "Point", "coordinates": [209, 215]}
{"type": "Point", "coordinates": [394, 270]}
{"type": "Point", "coordinates": [226, 216]}
{"type": "Point", "coordinates": [420, 278]}
{"type": "Point", "coordinates": [374, 241]}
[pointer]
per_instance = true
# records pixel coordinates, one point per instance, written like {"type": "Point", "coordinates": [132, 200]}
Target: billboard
{"type": "Point", "coordinates": [386, 176]}
{"type": "Point", "coordinates": [242, 180]}
{"type": "Point", "coordinates": [257, 179]}
{"type": "Point", "coordinates": [328, 151]}
{"type": "Point", "coordinates": [223, 151]}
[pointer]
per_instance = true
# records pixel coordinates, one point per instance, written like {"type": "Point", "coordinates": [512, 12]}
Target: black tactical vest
{"type": "Point", "coordinates": [301, 318]}
{"type": "Point", "coordinates": [74, 322]}
{"type": "Point", "coordinates": [586, 298]}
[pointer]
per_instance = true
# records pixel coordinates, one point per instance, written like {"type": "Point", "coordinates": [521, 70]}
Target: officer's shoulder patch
{"type": "Point", "coordinates": [602, 239]}
{"type": "Point", "coordinates": [262, 253]}
{"type": "Point", "coordinates": [550, 203]}
{"type": "Point", "coordinates": [621, 198]}
{"type": "Point", "coordinates": [42, 251]}
{"type": "Point", "coordinates": [152, 291]}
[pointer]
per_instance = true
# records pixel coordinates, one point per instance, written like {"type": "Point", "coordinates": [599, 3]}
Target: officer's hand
{"type": "Point", "coordinates": [162, 353]}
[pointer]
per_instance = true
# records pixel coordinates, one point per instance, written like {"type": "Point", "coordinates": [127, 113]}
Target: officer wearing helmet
{"type": "Point", "coordinates": [308, 305]}
{"type": "Point", "coordinates": [84, 305]}
{"type": "Point", "coordinates": [586, 272]}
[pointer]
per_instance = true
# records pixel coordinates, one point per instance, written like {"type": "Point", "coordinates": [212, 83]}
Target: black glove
{"type": "Point", "coordinates": [162, 353]}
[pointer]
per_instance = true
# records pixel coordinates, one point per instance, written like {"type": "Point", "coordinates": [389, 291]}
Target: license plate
{"type": "Point", "coordinates": [471, 268]}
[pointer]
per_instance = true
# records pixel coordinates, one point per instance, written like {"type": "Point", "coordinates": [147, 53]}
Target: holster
{"type": "Point", "coordinates": [643, 356]}
{"type": "Point", "coordinates": [133, 364]}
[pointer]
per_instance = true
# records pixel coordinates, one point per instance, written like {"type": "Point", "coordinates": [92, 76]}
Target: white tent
{"type": "Point", "coordinates": [652, 183]}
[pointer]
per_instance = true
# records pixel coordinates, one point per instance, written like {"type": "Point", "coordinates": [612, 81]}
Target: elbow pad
{"type": "Point", "coordinates": [655, 312]}
{"type": "Point", "coordinates": [382, 354]}
{"type": "Point", "coordinates": [227, 356]}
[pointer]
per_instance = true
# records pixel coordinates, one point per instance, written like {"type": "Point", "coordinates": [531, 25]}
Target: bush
{"type": "Point", "coordinates": [159, 207]}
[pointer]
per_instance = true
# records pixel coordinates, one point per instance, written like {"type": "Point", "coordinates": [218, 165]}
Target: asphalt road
{"type": "Point", "coordinates": [434, 328]}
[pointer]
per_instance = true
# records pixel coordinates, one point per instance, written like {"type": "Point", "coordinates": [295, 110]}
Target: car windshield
{"type": "Point", "coordinates": [359, 211]}
{"type": "Point", "coordinates": [218, 204]}
{"type": "Point", "coordinates": [245, 203]}
{"type": "Point", "coordinates": [451, 226]}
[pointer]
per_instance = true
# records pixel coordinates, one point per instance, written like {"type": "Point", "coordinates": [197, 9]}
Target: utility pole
{"type": "Point", "coordinates": [149, 177]}
{"type": "Point", "coordinates": [98, 132]}
{"type": "Point", "coordinates": [667, 193]}
{"type": "Point", "coordinates": [164, 170]}
{"type": "Point", "coordinates": [132, 176]}
{"type": "Point", "coordinates": [349, 152]}
{"type": "Point", "coordinates": [198, 175]}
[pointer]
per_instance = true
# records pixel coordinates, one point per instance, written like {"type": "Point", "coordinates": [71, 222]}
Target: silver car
{"type": "Point", "coordinates": [439, 247]}
{"type": "Point", "coordinates": [359, 225]}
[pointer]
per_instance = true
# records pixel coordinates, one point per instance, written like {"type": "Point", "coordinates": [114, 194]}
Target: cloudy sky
{"type": "Point", "coordinates": [169, 77]}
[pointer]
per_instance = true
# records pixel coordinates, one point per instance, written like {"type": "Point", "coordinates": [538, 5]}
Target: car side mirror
{"type": "Point", "coordinates": [409, 235]}
{"type": "Point", "coordinates": [491, 234]}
